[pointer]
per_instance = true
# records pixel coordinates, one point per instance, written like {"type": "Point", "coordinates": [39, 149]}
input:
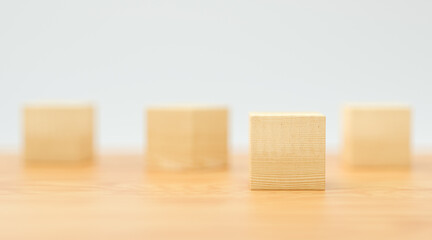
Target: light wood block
{"type": "Point", "coordinates": [180, 138]}
{"type": "Point", "coordinates": [287, 151]}
{"type": "Point", "coordinates": [58, 134]}
{"type": "Point", "coordinates": [376, 135]}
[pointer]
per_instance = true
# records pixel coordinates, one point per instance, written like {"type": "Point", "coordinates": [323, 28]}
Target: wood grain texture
{"type": "Point", "coordinates": [376, 135]}
{"type": "Point", "coordinates": [182, 138]}
{"type": "Point", "coordinates": [117, 198]}
{"type": "Point", "coordinates": [287, 151]}
{"type": "Point", "coordinates": [58, 133]}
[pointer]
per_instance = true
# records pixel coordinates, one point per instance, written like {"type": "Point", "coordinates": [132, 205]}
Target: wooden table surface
{"type": "Point", "coordinates": [117, 198]}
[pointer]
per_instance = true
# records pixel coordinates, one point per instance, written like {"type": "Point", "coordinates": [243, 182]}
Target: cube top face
{"type": "Point", "coordinates": [58, 135]}
{"type": "Point", "coordinates": [287, 151]}
{"type": "Point", "coordinates": [187, 108]}
{"type": "Point", "coordinates": [285, 114]}
{"type": "Point", "coordinates": [187, 138]}
{"type": "Point", "coordinates": [376, 106]}
{"type": "Point", "coordinates": [377, 135]}
{"type": "Point", "coordinates": [58, 105]}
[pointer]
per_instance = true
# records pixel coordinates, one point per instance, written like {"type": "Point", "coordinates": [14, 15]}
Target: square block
{"type": "Point", "coordinates": [287, 151]}
{"type": "Point", "coordinates": [58, 133]}
{"type": "Point", "coordinates": [376, 135]}
{"type": "Point", "coordinates": [187, 137]}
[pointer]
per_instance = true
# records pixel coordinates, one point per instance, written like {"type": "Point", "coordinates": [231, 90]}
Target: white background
{"type": "Point", "coordinates": [252, 55]}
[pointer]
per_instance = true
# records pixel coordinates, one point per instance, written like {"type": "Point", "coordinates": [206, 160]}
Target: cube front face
{"type": "Point", "coordinates": [377, 136]}
{"type": "Point", "coordinates": [211, 138]}
{"type": "Point", "coordinates": [187, 138]}
{"type": "Point", "coordinates": [287, 151]}
{"type": "Point", "coordinates": [170, 139]}
{"type": "Point", "coordinates": [58, 134]}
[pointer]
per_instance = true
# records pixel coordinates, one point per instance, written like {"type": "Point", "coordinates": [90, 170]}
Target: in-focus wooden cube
{"type": "Point", "coordinates": [287, 151]}
{"type": "Point", "coordinates": [376, 135]}
{"type": "Point", "coordinates": [180, 138]}
{"type": "Point", "coordinates": [58, 134]}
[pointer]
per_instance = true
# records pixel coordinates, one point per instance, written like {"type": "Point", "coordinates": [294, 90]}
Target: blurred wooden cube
{"type": "Point", "coordinates": [180, 138]}
{"type": "Point", "coordinates": [376, 135]}
{"type": "Point", "coordinates": [287, 151]}
{"type": "Point", "coordinates": [58, 134]}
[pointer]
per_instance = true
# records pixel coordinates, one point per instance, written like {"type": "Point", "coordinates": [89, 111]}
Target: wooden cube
{"type": "Point", "coordinates": [180, 138]}
{"type": "Point", "coordinates": [287, 151]}
{"type": "Point", "coordinates": [376, 135]}
{"type": "Point", "coordinates": [58, 134]}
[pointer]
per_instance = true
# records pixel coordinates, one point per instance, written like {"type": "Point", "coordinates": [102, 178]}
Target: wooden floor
{"type": "Point", "coordinates": [118, 199]}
